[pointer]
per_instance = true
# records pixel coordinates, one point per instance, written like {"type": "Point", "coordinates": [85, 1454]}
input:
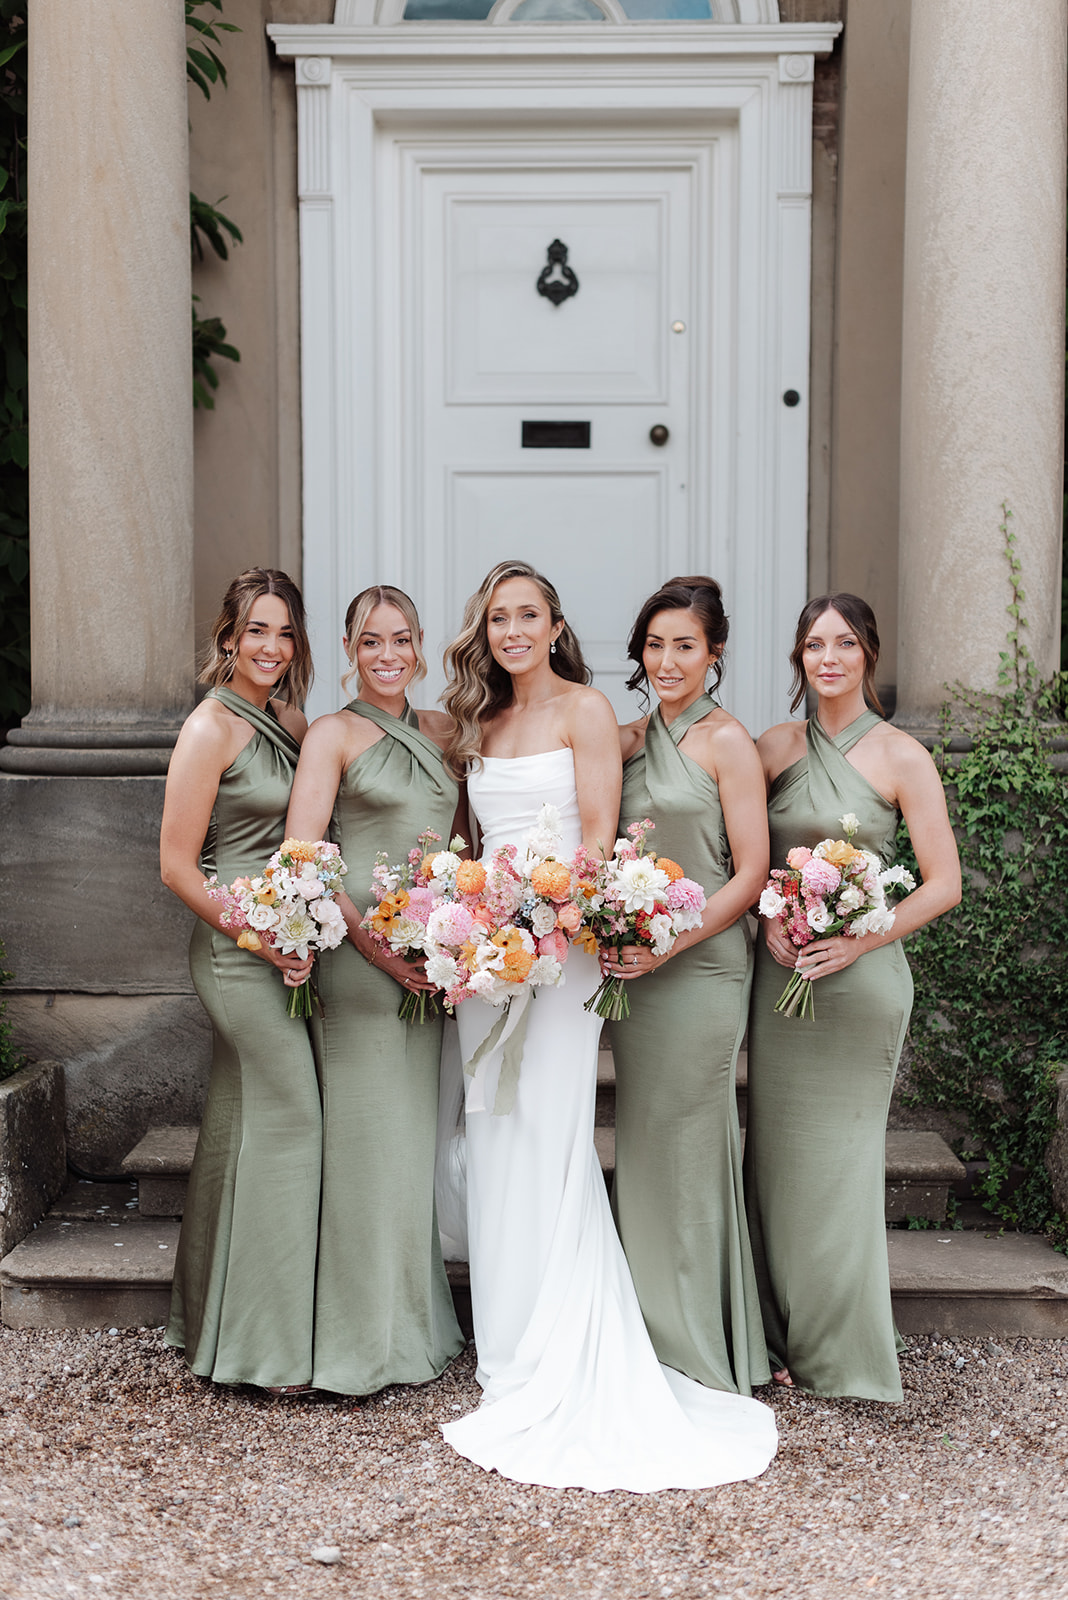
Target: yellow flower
{"type": "Point", "coordinates": [268, 896]}
{"type": "Point", "coordinates": [298, 850]}
{"type": "Point", "coordinates": [248, 939]}
{"type": "Point", "coordinates": [586, 940]}
{"type": "Point", "coordinates": [841, 855]}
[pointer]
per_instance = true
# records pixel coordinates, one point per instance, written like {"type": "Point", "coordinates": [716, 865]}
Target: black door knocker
{"type": "Point", "coordinates": [562, 288]}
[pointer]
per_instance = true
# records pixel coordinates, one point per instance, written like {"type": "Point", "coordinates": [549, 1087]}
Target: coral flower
{"type": "Point", "coordinates": [551, 879]}
{"type": "Point", "coordinates": [298, 850]}
{"type": "Point", "coordinates": [470, 877]}
{"type": "Point", "coordinates": [841, 855]}
{"type": "Point", "coordinates": [672, 868]}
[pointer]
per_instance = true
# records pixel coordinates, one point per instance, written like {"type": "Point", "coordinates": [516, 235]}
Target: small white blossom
{"type": "Point", "coordinates": [771, 904]}
{"type": "Point", "coordinates": [662, 931]}
{"type": "Point", "coordinates": [543, 919]}
{"type": "Point", "coordinates": [850, 899]}
{"type": "Point", "coordinates": [442, 970]}
{"type": "Point", "coordinates": [262, 918]}
{"type": "Point", "coordinates": [818, 918]}
{"type": "Point", "coordinates": [900, 875]}
{"type": "Point", "coordinates": [850, 822]}
{"type": "Point", "coordinates": [546, 970]}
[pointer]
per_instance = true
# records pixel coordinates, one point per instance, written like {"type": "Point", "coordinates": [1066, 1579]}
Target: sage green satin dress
{"type": "Point", "coordinates": [677, 1195]}
{"type": "Point", "coordinates": [383, 1308]}
{"type": "Point", "coordinates": [819, 1092]}
{"type": "Point", "coordinates": [244, 1280]}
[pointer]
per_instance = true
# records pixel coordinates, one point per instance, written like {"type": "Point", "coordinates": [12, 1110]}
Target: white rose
{"type": "Point", "coordinates": [311, 885]}
{"type": "Point", "coordinates": [543, 919]}
{"type": "Point", "coordinates": [444, 864]}
{"type": "Point", "coordinates": [683, 921]}
{"type": "Point", "coordinates": [819, 919]}
{"type": "Point", "coordinates": [897, 875]}
{"type": "Point", "coordinates": [262, 918]}
{"type": "Point", "coordinates": [771, 904]}
{"type": "Point", "coordinates": [850, 822]}
{"type": "Point", "coordinates": [850, 899]}
{"type": "Point", "coordinates": [663, 934]}
{"type": "Point", "coordinates": [484, 984]}
{"type": "Point", "coordinates": [642, 883]}
{"type": "Point", "coordinates": [442, 970]}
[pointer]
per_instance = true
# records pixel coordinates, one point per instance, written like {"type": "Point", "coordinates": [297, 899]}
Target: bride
{"type": "Point", "coordinates": [573, 1393]}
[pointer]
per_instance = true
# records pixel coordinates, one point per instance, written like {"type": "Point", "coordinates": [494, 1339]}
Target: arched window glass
{"type": "Point", "coordinates": [557, 11]}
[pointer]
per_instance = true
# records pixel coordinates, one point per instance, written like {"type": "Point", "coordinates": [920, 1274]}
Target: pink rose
{"type": "Point", "coordinates": [554, 944]}
{"type": "Point", "coordinates": [569, 917]}
{"type": "Point", "coordinates": [798, 856]}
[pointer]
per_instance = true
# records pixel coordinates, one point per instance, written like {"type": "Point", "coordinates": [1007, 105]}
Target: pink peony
{"type": "Point", "coordinates": [798, 856]}
{"type": "Point", "coordinates": [450, 923]}
{"type": "Point", "coordinates": [554, 944]}
{"type": "Point", "coordinates": [685, 895]}
{"type": "Point", "coordinates": [819, 877]}
{"type": "Point", "coordinates": [420, 905]}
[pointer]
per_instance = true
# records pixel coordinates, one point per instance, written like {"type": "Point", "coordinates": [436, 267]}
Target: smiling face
{"type": "Point", "coordinates": [384, 653]}
{"type": "Point", "coordinates": [833, 657]}
{"type": "Point", "coordinates": [519, 626]}
{"type": "Point", "coordinates": [264, 650]}
{"type": "Point", "coordinates": [676, 657]}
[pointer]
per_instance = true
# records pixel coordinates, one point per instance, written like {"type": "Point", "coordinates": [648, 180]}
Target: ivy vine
{"type": "Point", "coordinates": [989, 1030]}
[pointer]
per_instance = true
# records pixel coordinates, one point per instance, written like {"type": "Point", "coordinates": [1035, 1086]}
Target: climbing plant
{"type": "Point", "coordinates": [208, 227]}
{"type": "Point", "coordinates": [989, 1029]}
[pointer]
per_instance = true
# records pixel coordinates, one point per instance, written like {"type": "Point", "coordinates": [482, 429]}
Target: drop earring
{"type": "Point", "coordinates": [552, 648]}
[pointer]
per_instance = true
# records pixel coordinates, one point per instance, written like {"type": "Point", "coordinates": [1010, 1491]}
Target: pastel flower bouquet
{"type": "Point", "coordinates": [835, 888]}
{"type": "Point", "coordinates": [292, 906]}
{"type": "Point", "coordinates": [633, 897]}
{"type": "Point", "coordinates": [407, 894]}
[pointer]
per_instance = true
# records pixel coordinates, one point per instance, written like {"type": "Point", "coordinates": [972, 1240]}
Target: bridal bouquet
{"type": "Point", "coordinates": [407, 894]}
{"type": "Point", "coordinates": [634, 897]}
{"type": "Point", "coordinates": [292, 906]}
{"type": "Point", "coordinates": [835, 888]}
{"type": "Point", "coordinates": [503, 930]}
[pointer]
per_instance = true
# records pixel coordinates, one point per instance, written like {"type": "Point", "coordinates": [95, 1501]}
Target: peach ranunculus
{"type": "Point", "coordinates": [569, 917]}
{"type": "Point", "coordinates": [298, 849]}
{"type": "Point", "coordinates": [846, 857]}
{"type": "Point", "coordinates": [268, 896]}
{"type": "Point", "coordinates": [470, 877]}
{"type": "Point", "coordinates": [555, 945]}
{"type": "Point", "coordinates": [248, 939]}
{"type": "Point", "coordinates": [672, 868]}
{"type": "Point", "coordinates": [797, 857]}
{"type": "Point", "coordinates": [551, 879]}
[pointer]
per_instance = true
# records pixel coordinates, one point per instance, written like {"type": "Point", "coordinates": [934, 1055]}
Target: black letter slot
{"type": "Point", "coordinates": [556, 436]}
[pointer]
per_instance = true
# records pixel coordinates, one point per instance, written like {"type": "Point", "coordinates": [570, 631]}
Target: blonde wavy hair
{"type": "Point", "coordinates": [356, 616]}
{"type": "Point", "coordinates": [478, 686]}
{"type": "Point", "coordinates": [237, 607]}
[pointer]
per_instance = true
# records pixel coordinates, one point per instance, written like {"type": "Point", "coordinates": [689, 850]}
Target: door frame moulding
{"type": "Point", "coordinates": [354, 80]}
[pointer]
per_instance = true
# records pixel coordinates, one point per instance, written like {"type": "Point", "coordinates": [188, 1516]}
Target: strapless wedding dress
{"type": "Point", "coordinates": [573, 1393]}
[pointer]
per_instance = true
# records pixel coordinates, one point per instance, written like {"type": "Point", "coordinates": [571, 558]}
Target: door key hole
{"type": "Point", "coordinates": [659, 434]}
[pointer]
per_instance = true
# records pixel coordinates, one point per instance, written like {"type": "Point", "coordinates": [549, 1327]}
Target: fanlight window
{"type": "Point", "coordinates": [617, 11]}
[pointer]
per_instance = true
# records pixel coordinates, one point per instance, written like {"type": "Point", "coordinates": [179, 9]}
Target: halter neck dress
{"type": "Point", "coordinates": [242, 1301]}
{"type": "Point", "coordinates": [819, 1092]}
{"type": "Point", "coordinates": [677, 1195]}
{"type": "Point", "coordinates": [383, 1308]}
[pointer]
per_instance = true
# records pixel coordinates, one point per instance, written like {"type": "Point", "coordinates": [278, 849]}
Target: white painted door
{"type": "Point", "coordinates": [529, 422]}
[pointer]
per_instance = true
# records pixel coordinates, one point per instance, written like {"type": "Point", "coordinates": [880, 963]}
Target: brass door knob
{"type": "Point", "coordinates": [659, 434]}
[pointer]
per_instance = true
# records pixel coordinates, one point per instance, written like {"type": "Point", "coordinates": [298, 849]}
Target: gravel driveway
{"type": "Point", "coordinates": [125, 1476]}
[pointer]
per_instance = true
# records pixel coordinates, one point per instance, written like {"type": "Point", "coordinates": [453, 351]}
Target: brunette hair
{"type": "Point", "coordinates": [478, 686]}
{"type": "Point", "coordinates": [380, 594]}
{"type": "Point", "coordinates": [237, 606]}
{"type": "Point", "coordinates": [704, 597]}
{"type": "Point", "coordinates": [861, 619]}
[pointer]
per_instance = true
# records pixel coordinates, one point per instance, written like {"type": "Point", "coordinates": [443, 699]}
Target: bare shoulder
{"type": "Point", "coordinates": [292, 720]}
{"type": "Point", "coordinates": [213, 735]}
{"type": "Point", "coordinates": [437, 725]}
{"type": "Point", "coordinates": [780, 746]}
{"type": "Point", "coordinates": [912, 762]}
{"type": "Point", "coordinates": [632, 737]}
{"type": "Point", "coordinates": [720, 735]}
{"type": "Point", "coordinates": [586, 706]}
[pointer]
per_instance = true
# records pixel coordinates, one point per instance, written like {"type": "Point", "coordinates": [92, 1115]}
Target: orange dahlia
{"type": "Point", "coordinates": [298, 850]}
{"type": "Point", "coordinates": [470, 877]}
{"type": "Point", "coordinates": [551, 879]}
{"type": "Point", "coordinates": [672, 868]}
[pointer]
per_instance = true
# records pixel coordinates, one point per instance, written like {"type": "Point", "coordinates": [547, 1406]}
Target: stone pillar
{"type": "Point", "coordinates": [983, 339]}
{"type": "Point", "coordinates": [111, 442]}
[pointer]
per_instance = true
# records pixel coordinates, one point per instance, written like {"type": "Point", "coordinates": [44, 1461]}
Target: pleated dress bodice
{"type": "Point", "coordinates": [677, 1193]}
{"type": "Point", "coordinates": [808, 800]}
{"type": "Point", "coordinates": [247, 823]}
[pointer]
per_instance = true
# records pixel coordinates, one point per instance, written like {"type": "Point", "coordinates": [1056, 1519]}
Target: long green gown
{"type": "Point", "coordinates": [678, 1182]}
{"type": "Point", "coordinates": [243, 1296]}
{"type": "Point", "coordinates": [819, 1092]}
{"type": "Point", "coordinates": [383, 1309]}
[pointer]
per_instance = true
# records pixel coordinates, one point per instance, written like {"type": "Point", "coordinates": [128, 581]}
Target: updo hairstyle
{"type": "Point", "coordinates": [356, 621]}
{"type": "Point", "coordinates": [701, 595]}
{"type": "Point", "coordinates": [861, 619]}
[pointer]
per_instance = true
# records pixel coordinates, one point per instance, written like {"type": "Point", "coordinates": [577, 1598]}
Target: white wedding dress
{"type": "Point", "coordinates": [574, 1394]}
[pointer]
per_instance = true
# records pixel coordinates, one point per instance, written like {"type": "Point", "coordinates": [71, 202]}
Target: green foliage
{"type": "Point", "coordinates": [207, 224]}
{"type": "Point", "coordinates": [209, 344]}
{"type": "Point", "coordinates": [203, 67]}
{"type": "Point", "coordinates": [989, 1029]}
{"type": "Point", "coordinates": [10, 1058]}
{"type": "Point", "coordinates": [14, 439]}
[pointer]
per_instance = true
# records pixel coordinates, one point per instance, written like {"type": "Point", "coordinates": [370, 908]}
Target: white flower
{"type": "Point", "coordinates": [682, 921]}
{"type": "Point", "coordinates": [771, 904]}
{"type": "Point", "coordinates": [406, 934]}
{"type": "Point", "coordinates": [442, 970]}
{"type": "Point", "coordinates": [311, 886]}
{"type": "Point", "coordinates": [641, 884]}
{"type": "Point", "coordinates": [327, 913]}
{"type": "Point", "coordinates": [621, 846]}
{"type": "Point", "coordinates": [444, 864]}
{"type": "Point", "coordinates": [850, 899]}
{"type": "Point", "coordinates": [546, 969]}
{"type": "Point", "coordinates": [819, 918]}
{"type": "Point", "coordinates": [545, 838]}
{"type": "Point", "coordinates": [389, 881]}
{"type": "Point", "coordinates": [850, 822]}
{"type": "Point", "coordinates": [900, 875]}
{"type": "Point", "coordinates": [484, 984]}
{"type": "Point", "coordinates": [880, 920]}
{"type": "Point", "coordinates": [295, 933]}
{"type": "Point", "coordinates": [663, 933]}
{"type": "Point", "coordinates": [262, 918]}
{"type": "Point", "coordinates": [543, 919]}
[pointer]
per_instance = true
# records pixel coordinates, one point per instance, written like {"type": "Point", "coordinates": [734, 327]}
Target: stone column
{"type": "Point", "coordinates": [111, 444]}
{"type": "Point", "coordinates": [983, 339]}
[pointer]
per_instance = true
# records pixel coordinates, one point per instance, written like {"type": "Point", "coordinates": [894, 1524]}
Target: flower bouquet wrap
{"type": "Point", "coordinates": [503, 930]}
{"type": "Point", "coordinates": [835, 888]}
{"type": "Point", "coordinates": [634, 897]}
{"type": "Point", "coordinates": [407, 894]}
{"type": "Point", "coordinates": [291, 906]}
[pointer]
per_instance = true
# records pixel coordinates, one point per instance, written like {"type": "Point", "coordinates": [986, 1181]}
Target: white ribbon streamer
{"type": "Point", "coordinates": [500, 1053]}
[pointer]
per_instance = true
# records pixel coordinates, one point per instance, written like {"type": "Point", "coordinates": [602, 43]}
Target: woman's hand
{"type": "Point", "coordinates": [779, 945]}
{"type": "Point", "coordinates": [295, 969]}
{"type": "Point", "coordinates": [824, 956]}
{"type": "Point", "coordinates": [411, 975]}
{"type": "Point", "coordinates": [633, 961]}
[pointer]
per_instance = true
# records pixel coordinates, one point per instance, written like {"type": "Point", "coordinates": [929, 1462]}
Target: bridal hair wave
{"type": "Point", "coordinates": [478, 686]}
{"type": "Point", "coordinates": [380, 594]}
{"type": "Point", "coordinates": [861, 618]}
{"type": "Point", "coordinates": [701, 595]}
{"type": "Point", "coordinates": [238, 602]}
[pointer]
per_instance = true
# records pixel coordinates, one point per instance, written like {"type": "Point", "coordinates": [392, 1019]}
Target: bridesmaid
{"type": "Point", "coordinates": [694, 771]}
{"type": "Point", "coordinates": [243, 1293]}
{"type": "Point", "coordinates": [819, 1090]}
{"type": "Point", "coordinates": [383, 1308]}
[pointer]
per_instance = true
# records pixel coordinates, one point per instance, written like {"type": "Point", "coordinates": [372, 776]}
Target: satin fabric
{"type": "Point", "coordinates": [243, 1294]}
{"type": "Point", "coordinates": [819, 1093]}
{"type": "Point", "coordinates": [574, 1394]}
{"type": "Point", "coordinates": [677, 1195]}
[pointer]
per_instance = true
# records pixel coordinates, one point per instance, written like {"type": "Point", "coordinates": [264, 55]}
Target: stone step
{"type": "Point", "coordinates": [161, 1163]}
{"type": "Point", "coordinates": [88, 1271]}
